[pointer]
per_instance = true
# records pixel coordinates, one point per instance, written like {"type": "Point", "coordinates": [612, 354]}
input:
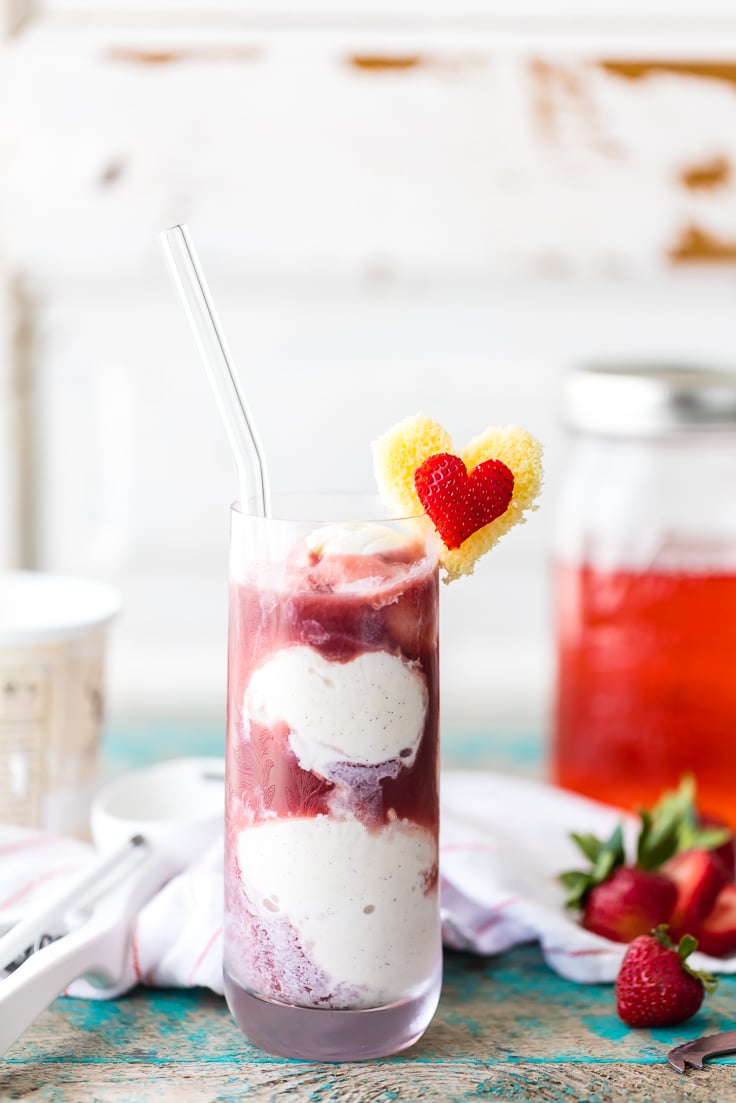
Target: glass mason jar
{"type": "Point", "coordinates": [332, 929]}
{"type": "Point", "coordinates": [645, 587]}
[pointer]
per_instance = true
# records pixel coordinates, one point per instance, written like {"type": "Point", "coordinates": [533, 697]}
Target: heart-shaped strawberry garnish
{"type": "Point", "coordinates": [459, 502]}
{"type": "Point", "coordinates": [473, 495]}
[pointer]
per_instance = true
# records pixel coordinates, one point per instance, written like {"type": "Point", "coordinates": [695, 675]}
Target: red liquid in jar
{"type": "Point", "coordinates": [646, 685]}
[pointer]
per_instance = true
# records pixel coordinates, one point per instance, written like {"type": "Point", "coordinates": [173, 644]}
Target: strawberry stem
{"type": "Point", "coordinates": [605, 855]}
{"type": "Point", "coordinates": [686, 946]}
{"type": "Point", "coordinates": [662, 935]}
{"type": "Point", "coordinates": [672, 826]}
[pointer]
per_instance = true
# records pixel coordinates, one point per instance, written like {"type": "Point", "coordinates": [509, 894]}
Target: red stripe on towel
{"type": "Point", "coordinates": [492, 919]}
{"type": "Point", "coordinates": [562, 952]}
{"type": "Point", "coordinates": [210, 943]}
{"type": "Point", "coordinates": [30, 844]}
{"type": "Point", "coordinates": [134, 953]}
{"type": "Point", "coordinates": [50, 875]}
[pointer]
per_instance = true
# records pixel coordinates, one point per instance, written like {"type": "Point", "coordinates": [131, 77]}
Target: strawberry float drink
{"type": "Point", "coordinates": [332, 929]}
{"type": "Point", "coordinates": [331, 876]}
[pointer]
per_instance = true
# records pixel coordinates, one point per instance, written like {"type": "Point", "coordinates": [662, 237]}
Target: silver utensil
{"type": "Point", "coordinates": [695, 1053]}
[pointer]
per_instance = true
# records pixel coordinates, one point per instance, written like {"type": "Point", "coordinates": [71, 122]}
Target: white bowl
{"type": "Point", "coordinates": [178, 806]}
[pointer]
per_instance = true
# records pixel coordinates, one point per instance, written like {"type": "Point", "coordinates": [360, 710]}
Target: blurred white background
{"type": "Point", "coordinates": [400, 207]}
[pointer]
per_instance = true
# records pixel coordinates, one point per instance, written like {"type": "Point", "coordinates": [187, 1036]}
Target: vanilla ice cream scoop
{"type": "Point", "coordinates": [356, 538]}
{"type": "Point", "coordinates": [365, 712]}
{"type": "Point", "coordinates": [363, 902]}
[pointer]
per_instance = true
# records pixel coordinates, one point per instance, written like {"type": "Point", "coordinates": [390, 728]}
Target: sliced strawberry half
{"type": "Point", "coordinates": [726, 852]}
{"type": "Point", "coordinates": [717, 933]}
{"type": "Point", "coordinates": [630, 903]}
{"type": "Point", "coordinates": [725, 855]}
{"type": "Point", "coordinates": [698, 877]}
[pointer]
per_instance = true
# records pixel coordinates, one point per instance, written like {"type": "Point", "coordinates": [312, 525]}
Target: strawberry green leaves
{"type": "Point", "coordinates": [667, 829]}
{"type": "Point", "coordinates": [605, 856]}
{"type": "Point", "coordinates": [672, 826]}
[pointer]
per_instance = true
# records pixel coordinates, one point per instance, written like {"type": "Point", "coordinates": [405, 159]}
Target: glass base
{"type": "Point", "coordinates": [314, 1034]}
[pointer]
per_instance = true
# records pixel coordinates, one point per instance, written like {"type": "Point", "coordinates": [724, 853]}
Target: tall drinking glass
{"type": "Point", "coordinates": [332, 932]}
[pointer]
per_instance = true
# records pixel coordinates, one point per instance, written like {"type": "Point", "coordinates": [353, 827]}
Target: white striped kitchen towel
{"type": "Point", "coordinates": [503, 841]}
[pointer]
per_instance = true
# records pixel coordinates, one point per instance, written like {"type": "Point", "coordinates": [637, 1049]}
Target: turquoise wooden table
{"type": "Point", "coordinates": [507, 1027]}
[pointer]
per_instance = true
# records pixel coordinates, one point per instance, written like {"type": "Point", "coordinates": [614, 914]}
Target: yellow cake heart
{"type": "Point", "coordinates": [418, 444]}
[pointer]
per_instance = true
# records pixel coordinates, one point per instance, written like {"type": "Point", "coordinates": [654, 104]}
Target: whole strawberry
{"type": "Point", "coordinates": [616, 900]}
{"type": "Point", "coordinates": [628, 903]}
{"type": "Point", "coordinates": [655, 986]}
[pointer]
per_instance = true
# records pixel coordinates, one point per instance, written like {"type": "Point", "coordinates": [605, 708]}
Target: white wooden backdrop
{"type": "Point", "coordinates": [400, 207]}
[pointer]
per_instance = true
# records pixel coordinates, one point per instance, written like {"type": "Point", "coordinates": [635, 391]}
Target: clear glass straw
{"type": "Point", "coordinates": [231, 402]}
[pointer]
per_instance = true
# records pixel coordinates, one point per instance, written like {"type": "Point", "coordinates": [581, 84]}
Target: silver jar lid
{"type": "Point", "coordinates": [630, 400]}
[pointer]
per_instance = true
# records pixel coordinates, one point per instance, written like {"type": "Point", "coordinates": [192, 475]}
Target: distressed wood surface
{"type": "Point", "coordinates": [506, 1028]}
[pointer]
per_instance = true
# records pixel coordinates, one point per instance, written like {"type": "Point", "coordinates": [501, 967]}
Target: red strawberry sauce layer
{"type": "Point", "coordinates": [341, 606]}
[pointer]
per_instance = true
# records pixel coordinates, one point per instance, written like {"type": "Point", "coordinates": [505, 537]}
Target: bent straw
{"type": "Point", "coordinates": [192, 287]}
